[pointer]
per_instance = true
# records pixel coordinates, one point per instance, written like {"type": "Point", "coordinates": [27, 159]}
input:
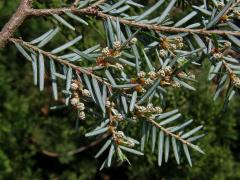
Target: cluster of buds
{"type": "Point", "coordinates": [119, 66]}
{"type": "Point", "coordinates": [133, 40]}
{"type": "Point", "coordinates": [119, 134]}
{"type": "Point", "coordinates": [79, 106]}
{"type": "Point", "coordinates": [236, 13]}
{"type": "Point", "coordinates": [184, 75]}
{"type": "Point", "coordinates": [175, 84]}
{"type": "Point", "coordinates": [225, 18]}
{"type": "Point", "coordinates": [117, 45]}
{"type": "Point", "coordinates": [122, 139]}
{"type": "Point", "coordinates": [109, 104]}
{"type": "Point", "coordinates": [106, 52]}
{"type": "Point", "coordinates": [170, 45]}
{"type": "Point", "coordinates": [236, 81]}
{"type": "Point", "coordinates": [149, 78]}
{"type": "Point", "coordinates": [117, 117]}
{"type": "Point", "coordinates": [217, 55]}
{"type": "Point", "coordinates": [227, 44]}
{"type": "Point", "coordinates": [163, 53]}
{"type": "Point", "coordinates": [141, 74]}
{"type": "Point", "coordinates": [166, 74]}
{"type": "Point", "coordinates": [148, 109]}
{"type": "Point", "coordinates": [218, 52]}
{"type": "Point", "coordinates": [141, 81]}
{"type": "Point", "coordinates": [221, 5]}
{"type": "Point", "coordinates": [77, 89]}
{"type": "Point", "coordinates": [103, 60]}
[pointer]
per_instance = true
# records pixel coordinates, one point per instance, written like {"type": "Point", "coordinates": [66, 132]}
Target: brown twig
{"type": "Point", "coordinates": [45, 12]}
{"type": "Point", "coordinates": [25, 10]}
{"type": "Point", "coordinates": [169, 133]}
{"type": "Point", "coordinates": [60, 60]}
{"type": "Point", "coordinates": [94, 143]}
{"type": "Point", "coordinates": [16, 20]}
{"type": "Point", "coordinates": [78, 150]}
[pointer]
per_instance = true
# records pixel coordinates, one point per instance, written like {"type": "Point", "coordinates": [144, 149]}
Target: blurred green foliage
{"type": "Point", "coordinates": [31, 135]}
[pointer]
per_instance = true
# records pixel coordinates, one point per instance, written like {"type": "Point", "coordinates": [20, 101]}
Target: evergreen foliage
{"type": "Point", "coordinates": [40, 138]}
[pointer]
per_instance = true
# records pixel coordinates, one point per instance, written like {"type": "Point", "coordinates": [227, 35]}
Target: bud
{"type": "Point", "coordinates": [236, 82]}
{"type": "Point", "coordinates": [118, 117]}
{"type": "Point", "coordinates": [141, 74]}
{"type": "Point", "coordinates": [117, 45]}
{"type": "Point", "coordinates": [130, 143]}
{"type": "Point", "coordinates": [112, 104]}
{"type": "Point", "coordinates": [148, 81]}
{"type": "Point", "coordinates": [161, 73]}
{"type": "Point", "coordinates": [108, 104]}
{"type": "Point", "coordinates": [80, 106]}
{"type": "Point", "coordinates": [221, 4]}
{"type": "Point", "coordinates": [106, 51]}
{"type": "Point", "coordinates": [74, 101]}
{"type": "Point", "coordinates": [74, 86]}
{"type": "Point", "coordinates": [143, 90]}
{"type": "Point", "coordinates": [150, 107]}
{"type": "Point", "coordinates": [236, 12]}
{"type": "Point", "coordinates": [120, 134]}
{"type": "Point", "coordinates": [227, 44]}
{"type": "Point", "coordinates": [162, 53]}
{"type": "Point", "coordinates": [217, 55]}
{"type": "Point", "coordinates": [180, 45]}
{"type": "Point", "coordinates": [176, 84]}
{"type": "Point", "coordinates": [141, 108]}
{"type": "Point", "coordinates": [75, 94]}
{"type": "Point", "coordinates": [81, 115]}
{"type": "Point", "coordinates": [179, 39]}
{"type": "Point", "coordinates": [152, 74]}
{"type": "Point", "coordinates": [133, 40]}
{"type": "Point", "coordinates": [174, 46]}
{"type": "Point", "coordinates": [158, 110]}
{"type": "Point", "coordinates": [86, 93]}
{"type": "Point", "coordinates": [119, 66]}
{"type": "Point", "coordinates": [168, 69]}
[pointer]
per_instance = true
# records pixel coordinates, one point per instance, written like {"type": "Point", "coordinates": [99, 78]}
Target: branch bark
{"type": "Point", "coordinates": [16, 20]}
{"type": "Point", "coordinates": [93, 12]}
{"type": "Point", "coordinates": [24, 10]}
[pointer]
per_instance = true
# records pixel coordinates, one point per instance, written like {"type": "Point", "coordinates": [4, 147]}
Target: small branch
{"type": "Point", "coordinates": [169, 133]}
{"type": "Point", "coordinates": [16, 20]}
{"type": "Point", "coordinates": [76, 151]}
{"type": "Point", "coordinates": [92, 12]}
{"type": "Point", "coordinates": [229, 71]}
{"type": "Point", "coordinates": [60, 60]}
{"type": "Point", "coordinates": [24, 10]}
{"type": "Point", "coordinates": [92, 144]}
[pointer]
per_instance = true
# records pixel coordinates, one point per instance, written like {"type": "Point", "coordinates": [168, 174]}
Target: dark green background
{"type": "Point", "coordinates": [28, 127]}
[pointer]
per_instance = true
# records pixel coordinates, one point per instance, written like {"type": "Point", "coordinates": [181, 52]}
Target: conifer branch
{"type": "Point", "coordinates": [25, 10]}
{"type": "Point", "coordinates": [60, 60]}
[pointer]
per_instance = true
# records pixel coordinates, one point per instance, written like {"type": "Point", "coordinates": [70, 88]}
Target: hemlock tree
{"type": "Point", "coordinates": [124, 83]}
